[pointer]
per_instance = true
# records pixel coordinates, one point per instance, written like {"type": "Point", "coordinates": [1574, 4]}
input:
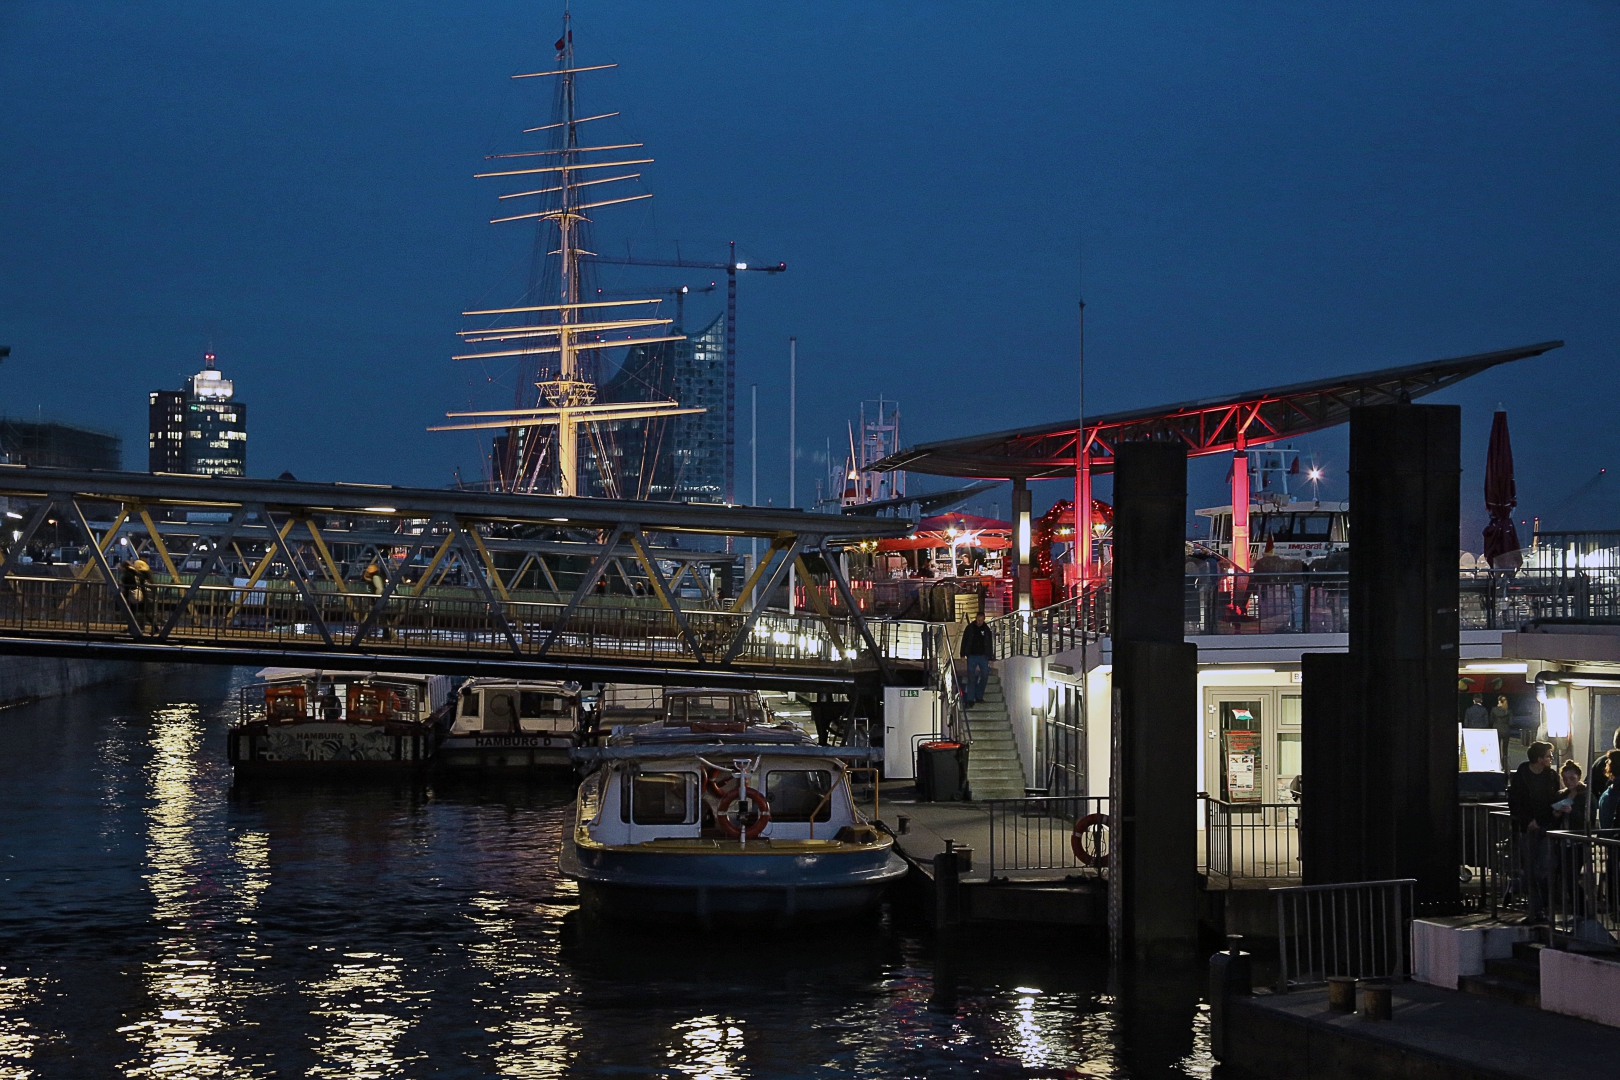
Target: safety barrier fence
{"type": "Point", "coordinates": [1584, 885]}
{"type": "Point", "coordinates": [1358, 930]}
{"type": "Point", "coordinates": [1318, 602]}
{"type": "Point", "coordinates": [1250, 841]}
{"type": "Point", "coordinates": [1049, 832]}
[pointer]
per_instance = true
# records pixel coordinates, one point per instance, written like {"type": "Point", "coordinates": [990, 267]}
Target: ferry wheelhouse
{"type": "Point", "coordinates": [509, 723]}
{"type": "Point", "coordinates": [308, 718]}
{"type": "Point", "coordinates": [716, 820]}
{"type": "Point", "coordinates": [1307, 530]}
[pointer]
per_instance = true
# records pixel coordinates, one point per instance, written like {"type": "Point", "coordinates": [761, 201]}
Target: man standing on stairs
{"type": "Point", "coordinates": [978, 643]}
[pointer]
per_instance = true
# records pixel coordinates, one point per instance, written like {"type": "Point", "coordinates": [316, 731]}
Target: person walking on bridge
{"type": "Point", "coordinates": [978, 644]}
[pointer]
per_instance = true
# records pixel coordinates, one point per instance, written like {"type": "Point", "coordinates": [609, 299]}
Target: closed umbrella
{"type": "Point", "coordinates": [1501, 538]}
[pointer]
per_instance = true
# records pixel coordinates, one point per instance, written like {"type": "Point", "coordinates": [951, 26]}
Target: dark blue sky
{"type": "Point", "coordinates": [1261, 193]}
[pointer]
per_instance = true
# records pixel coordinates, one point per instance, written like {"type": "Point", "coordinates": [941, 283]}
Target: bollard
{"type": "Point", "coordinates": [1375, 1003]}
{"type": "Point", "coordinates": [1230, 975]}
{"type": "Point", "coordinates": [947, 889]}
{"type": "Point", "coordinates": [1341, 993]}
{"type": "Point", "coordinates": [904, 824]}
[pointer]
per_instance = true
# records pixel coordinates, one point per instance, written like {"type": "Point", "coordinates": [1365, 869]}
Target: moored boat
{"type": "Point", "coordinates": [299, 719]}
{"type": "Point", "coordinates": [718, 821]}
{"type": "Point", "coordinates": [511, 723]}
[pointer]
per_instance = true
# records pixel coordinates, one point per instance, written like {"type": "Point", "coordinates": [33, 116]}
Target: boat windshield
{"type": "Point", "coordinates": [797, 794]}
{"type": "Point", "coordinates": [536, 703]}
{"type": "Point", "coordinates": [684, 708]}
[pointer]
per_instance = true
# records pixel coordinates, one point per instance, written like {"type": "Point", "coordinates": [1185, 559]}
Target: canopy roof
{"type": "Point", "coordinates": [1210, 426]}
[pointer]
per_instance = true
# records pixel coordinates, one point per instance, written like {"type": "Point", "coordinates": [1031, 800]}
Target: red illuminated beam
{"type": "Point", "coordinates": [1210, 426]}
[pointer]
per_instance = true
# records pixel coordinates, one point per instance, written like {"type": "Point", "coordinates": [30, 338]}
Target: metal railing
{"type": "Point", "coordinates": [1359, 930]}
{"type": "Point", "coordinates": [944, 677]}
{"type": "Point", "coordinates": [1489, 880]}
{"type": "Point", "coordinates": [1250, 841]}
{"type": "Point", "coordinates": [1039, 833]}
{"type": "Point", "coordinates": [1584, 890]}
{"type": "Point", "coordinates": [277, 614]}
{"type": "Point", "coordinates": [1053, 629]}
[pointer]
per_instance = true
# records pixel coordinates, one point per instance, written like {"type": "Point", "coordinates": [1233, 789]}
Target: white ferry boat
{"type": "Point", "coordinates": [711, 821]}
{"type": "Point", "coordinates": [297, 719]}
{"type": "Point", "coordinates": [511, 723]}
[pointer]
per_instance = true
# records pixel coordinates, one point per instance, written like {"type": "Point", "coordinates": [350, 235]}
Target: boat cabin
{"type": "Point", "coordinates": [504, 706]}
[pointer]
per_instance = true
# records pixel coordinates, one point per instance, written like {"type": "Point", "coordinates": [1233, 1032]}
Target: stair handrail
{"type": "Point", "coordinates": [1053, 629]}
{"type": "Point", "coordinates": [942, 678]}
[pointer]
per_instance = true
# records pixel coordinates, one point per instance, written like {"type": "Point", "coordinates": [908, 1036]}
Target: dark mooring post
{"type": "Point", "coordinates": [1405, 466]}
{"type": "Point", "coordinates": [1155, 837]}
{"type": "Point", "coordinates": [1332, 843]}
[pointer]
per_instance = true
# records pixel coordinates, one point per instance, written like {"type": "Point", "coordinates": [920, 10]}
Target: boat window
{"type": "Point", "coordinates": [469, 703]}
{"type": "Point", "coordinates": [1314, 526]}
{"type": "Point", "coordinates": [537, 703]}
{"type": "Point", "coordinates": [662, 798]}
{"type": "Point", "coordinates": [688, 707]}
{"type": "Point", "coordinates": [794, 794]}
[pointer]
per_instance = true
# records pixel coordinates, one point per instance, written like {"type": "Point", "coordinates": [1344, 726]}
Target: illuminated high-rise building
{"type": "Point", "coordinates": [200, 429]}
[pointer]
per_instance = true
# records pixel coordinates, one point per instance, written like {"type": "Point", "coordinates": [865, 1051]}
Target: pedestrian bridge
{"type": "Point", "coordinates": [250, 571]}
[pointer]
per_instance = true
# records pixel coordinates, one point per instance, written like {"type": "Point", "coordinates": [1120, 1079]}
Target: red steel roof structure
{"type": "Point", "coordinates": [1212, 426]}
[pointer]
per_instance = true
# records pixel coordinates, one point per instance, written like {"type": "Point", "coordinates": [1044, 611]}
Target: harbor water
{"type": "Point", "coordinates": [157, 922]}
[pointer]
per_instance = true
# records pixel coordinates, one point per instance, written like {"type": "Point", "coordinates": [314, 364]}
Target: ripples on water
{"type": "Point", "coordinates": [156, 923]}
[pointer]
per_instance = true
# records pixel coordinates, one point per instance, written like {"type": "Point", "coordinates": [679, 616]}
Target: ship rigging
{"type": "Point", "coordinates": [557, 345]}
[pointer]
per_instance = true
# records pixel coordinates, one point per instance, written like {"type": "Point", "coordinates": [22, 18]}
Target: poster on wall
{"type": "Point", "coordinates": [1243, 766]}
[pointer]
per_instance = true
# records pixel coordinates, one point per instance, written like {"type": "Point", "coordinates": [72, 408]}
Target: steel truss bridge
{"type": "Point", "coordinates": [249, 571]}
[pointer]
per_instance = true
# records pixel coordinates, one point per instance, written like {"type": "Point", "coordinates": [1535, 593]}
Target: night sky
{"type": "Point", "coordinates": [1244, 195]}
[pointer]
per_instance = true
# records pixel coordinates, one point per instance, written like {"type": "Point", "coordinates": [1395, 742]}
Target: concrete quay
{"type": "Point", "coordinates": [1433, 1034]}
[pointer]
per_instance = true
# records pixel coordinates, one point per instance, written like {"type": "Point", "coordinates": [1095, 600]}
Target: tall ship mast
{"type": "Point", "coordinates": [555, 346]}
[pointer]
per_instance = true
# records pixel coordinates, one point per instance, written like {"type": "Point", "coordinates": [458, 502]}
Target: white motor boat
{"type": "Point", "coordinates": [713, 817]}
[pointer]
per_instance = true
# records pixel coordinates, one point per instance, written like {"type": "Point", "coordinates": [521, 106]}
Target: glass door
{"type": "Point", "coordinates": [1241, 763]}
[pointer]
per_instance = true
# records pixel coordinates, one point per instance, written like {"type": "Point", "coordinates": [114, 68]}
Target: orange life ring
{"type": "Point", "coordinates": [723, 821]}
{"type": "Point", "coordinates": [716, 781]}
{"type": "Point", "coordinates": [1082, 829]}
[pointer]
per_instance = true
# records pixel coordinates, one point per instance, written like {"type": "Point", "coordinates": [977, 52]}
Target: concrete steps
{"type": "Point", "coordinates": [1515, 979]}
{"type": "Point", "coordinates": [995, 770]}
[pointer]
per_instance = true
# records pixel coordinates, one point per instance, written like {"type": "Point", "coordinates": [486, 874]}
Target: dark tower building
{"type": "Point", "coordinates": [200, 429]}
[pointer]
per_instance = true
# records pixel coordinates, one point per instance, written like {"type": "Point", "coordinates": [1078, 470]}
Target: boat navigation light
{"type": "Point", "coordinates": [1314, 474]}
{"type": "Point", "coordinates": [742, 266]}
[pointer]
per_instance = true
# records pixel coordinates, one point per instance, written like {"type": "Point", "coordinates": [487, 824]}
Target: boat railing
{"type": "Point", "coordinates": [1049, 833]}
{"type": "Point", "coordinates": [1357, 930]}
{"type": "Point", "coordinates": [1489, 856]}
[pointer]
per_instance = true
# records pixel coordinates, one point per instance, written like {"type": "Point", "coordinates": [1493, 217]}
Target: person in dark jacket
{"type": "Point", "coordinates": [1597, 777]}
{"type": "Point", "coordinates": [978, 643]}
{"type": "Point", "coordinates": [1531, 793]}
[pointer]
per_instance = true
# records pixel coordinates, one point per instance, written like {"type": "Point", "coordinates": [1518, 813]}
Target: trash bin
{"type": "Point", "coordinates": [942, 771]}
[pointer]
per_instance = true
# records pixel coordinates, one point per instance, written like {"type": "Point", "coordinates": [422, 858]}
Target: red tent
{"type": "Point", "coordinates": [1502, 548]}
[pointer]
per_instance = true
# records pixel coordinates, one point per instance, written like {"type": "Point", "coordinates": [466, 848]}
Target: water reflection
{"type": "Point", "coordinates": [708, 1048]}
{"type": "Point", "coordinates": [162, 923]}
{"type": "Point", "coordinates": [17, 1035]}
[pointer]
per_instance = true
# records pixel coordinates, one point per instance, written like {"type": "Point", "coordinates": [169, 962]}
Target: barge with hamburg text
{"type": "Point", "coordinates": [303, 719]}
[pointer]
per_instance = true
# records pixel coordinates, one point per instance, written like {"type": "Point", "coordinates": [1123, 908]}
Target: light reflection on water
{"type": "Point", "coordinates": [160, 924]}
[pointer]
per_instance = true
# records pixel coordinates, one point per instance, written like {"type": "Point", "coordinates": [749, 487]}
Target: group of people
{"type": "Point", "coordinates": [1542, 800]}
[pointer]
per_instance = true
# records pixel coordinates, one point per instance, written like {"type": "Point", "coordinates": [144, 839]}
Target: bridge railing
{"type": "Point", "coordinates": [276, 613]}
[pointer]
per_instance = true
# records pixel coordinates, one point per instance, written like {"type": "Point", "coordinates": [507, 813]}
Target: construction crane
{"type": "Point", "coordinates": [731, 267]}
{"type": "Point", "coordinates": [679, 292]}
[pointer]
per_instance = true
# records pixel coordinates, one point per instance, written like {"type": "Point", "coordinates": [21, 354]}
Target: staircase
{"type": "Point", "coordinates": [1516, 978]}
{"type": "Point", "coordinates": [994, 769]}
